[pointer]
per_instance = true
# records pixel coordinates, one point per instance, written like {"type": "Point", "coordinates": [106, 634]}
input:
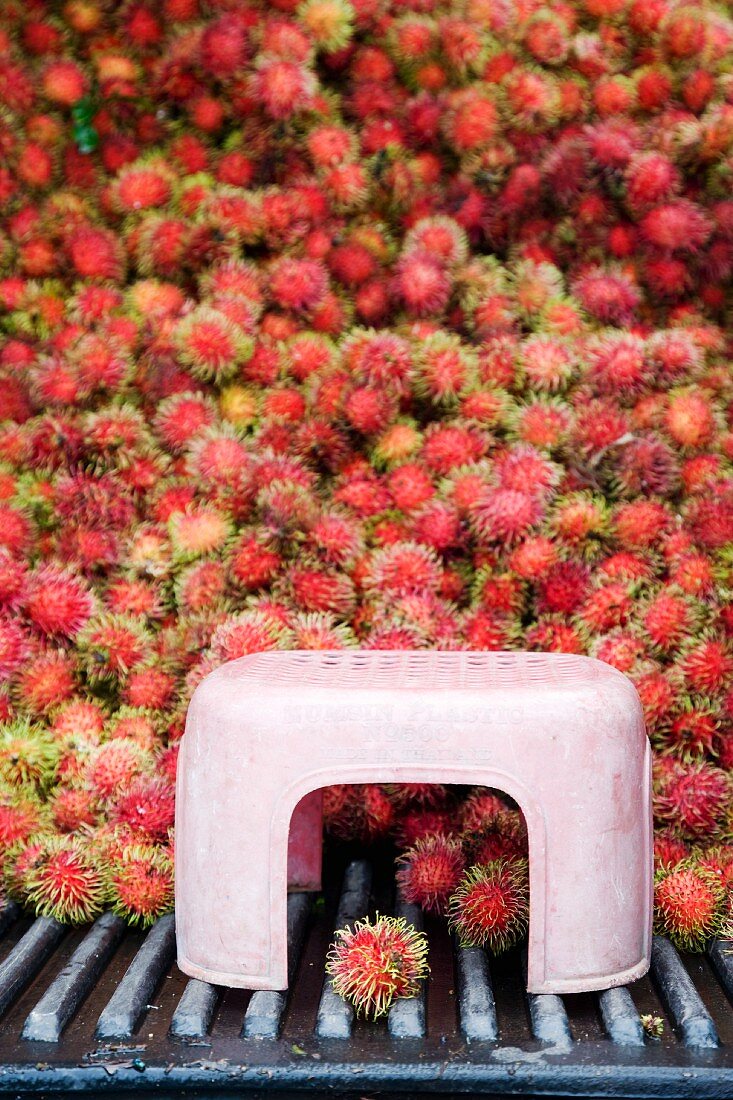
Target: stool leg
{"type": "Point", "coordinates": [305, 844]}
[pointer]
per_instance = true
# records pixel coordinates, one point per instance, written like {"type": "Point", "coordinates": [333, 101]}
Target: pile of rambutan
{"type": "Point", "coordinates": [359, 323]}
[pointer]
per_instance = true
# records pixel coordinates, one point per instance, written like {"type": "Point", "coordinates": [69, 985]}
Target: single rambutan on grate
{"type": "Point", "coordinates": [373, 964]}
{"type": "Point", "coordinates": [490, 907]}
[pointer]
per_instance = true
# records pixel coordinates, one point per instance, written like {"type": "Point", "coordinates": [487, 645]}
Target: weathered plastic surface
{"type": "Point", "coordinates": [562, 735]}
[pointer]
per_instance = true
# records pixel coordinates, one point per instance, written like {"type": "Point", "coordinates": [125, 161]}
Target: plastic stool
{"type": "Point", "coordinates": [562, 735]}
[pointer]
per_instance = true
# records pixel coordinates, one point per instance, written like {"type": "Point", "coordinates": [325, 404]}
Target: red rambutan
{"type": "Point", "coordinates": [688, 904]}
{"type": "Point", "coordinates": [371, 965]}
{"type": "Point", "coordinates": [490, 907]}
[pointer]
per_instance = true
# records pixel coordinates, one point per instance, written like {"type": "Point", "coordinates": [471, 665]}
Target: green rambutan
{"type": "Point", "coordinates": [28, 755]}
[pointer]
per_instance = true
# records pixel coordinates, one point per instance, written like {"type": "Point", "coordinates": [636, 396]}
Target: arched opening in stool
{"type": "Point", "coordinates": [489, 824]}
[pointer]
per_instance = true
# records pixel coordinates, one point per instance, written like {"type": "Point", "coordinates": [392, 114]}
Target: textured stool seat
{"type": "Point", "coordinates": [561, 735]}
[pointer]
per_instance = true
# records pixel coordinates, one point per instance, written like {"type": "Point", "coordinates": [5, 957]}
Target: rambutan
{"type": "Point", "coordinates": [691, 733]}
{"type": "Point", "coordinates": [95, 254]}
{"type": "Point", "coordinates": [15, 645]}
{"type": "Point", "coordinates": [63, 82]}
{"type": "Point", "coordinates": [609, 296]}
{"type": "Point", "coordinates": [247, 632]}
{"type": "Point", "coordinates": [422, 283]}
{"type": "Point", "coordinates": [21, 816]}
{"type": "Point", "coordinates": [640, 524]}
{"type": "Point", "coordinates": [504, 515]}
{"type": "Point", "coordinates": [695, 798]}
{"type": "Point", "coordinates": [299, 285]}
{"type": "Point", "coordinates": [110, 645]}
{"type": "Point", "coordinates": [372, 964]}
{"type": "Point", "coordinates": [282, 88]}
{"type": "Point", "coordinates": [668, 618]}
{"type": "Point", "coordinates": [548, 364]}
{"type": "Point", "coordinates": [63, 882]}
{"type": "Point", "coordinates": [198, 531]}
{"type": "Point", "coordinates": [677, 226]}
{"type": "Point", "coordinates": [328, 22]}
{"type": "Point", "coordinates": [319, 630]}
{"type": "Point", "coordinates": [180, 418]}
{"type": "Point", "coordinates": [47, 680]}
{"type": "Point", "coordinates": [28, 755]}
{"type": "Point", "coordinates": [57, 601]}
{"type": "Point", "coordinates": [140, 883]}
{"type": "Point", "coordinates": [146, 806]}
{"type": "Point", "coordinates": [688, 904]}
{"type": "Point", "coordinates": [490, 907]}
{"type": "Point", "coordinates": [480, 809]}
{"type": "Point", "coordinates": [114, 765]}
{"type": "Point", "coordinates": [402, 569]}
{"type": "Point", "coordinates": [669, 849]}
{"type": "Point", "coordinates": [429, 872]}
{"type": "Point", "coordinates": [210, 345]}
{"type": "Point", "coordinates": [73, 807]}
{"type": "Point", "coordinates": [142, 187]}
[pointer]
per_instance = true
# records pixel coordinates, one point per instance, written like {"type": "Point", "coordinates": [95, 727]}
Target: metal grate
{"type": "Point", "coordinates": [106, 1007]}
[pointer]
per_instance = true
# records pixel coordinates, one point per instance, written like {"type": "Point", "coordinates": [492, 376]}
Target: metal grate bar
{"type": "Point", "coordinates": [476, 1005]}
{"type": "Point", "coordinates": [620, 1018]}
{"type": "Point", "coordinates": [130, 999]}
{"type": "Point", "coordinates": [680, 997]}
{"type": "Point", "coordinates": [549, 1020]}
{"type": "Point", "coordinates": [195, 1010]}
{"type": "Point", "coordinates": [335, 1016]}
{"type": "Point", "coordinates": [406, 1018]}
{"type": "Point", "coordinates": [62, 998]}
{"type": "Point", "coordinates": [27, 958]}
{"type": "Point", "coordinates": [720, 953]}
{"type": "Point", "coordinates": [266, 1006]}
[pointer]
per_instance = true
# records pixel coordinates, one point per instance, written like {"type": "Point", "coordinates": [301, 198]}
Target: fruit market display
{"type": "Point", "coordinates": [381, 323]}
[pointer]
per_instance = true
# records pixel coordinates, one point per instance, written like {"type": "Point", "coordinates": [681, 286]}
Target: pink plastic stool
{"type": "Point", "coordinates": [562, 735]}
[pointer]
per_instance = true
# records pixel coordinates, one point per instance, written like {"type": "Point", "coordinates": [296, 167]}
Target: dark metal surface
{"type": "Point", "coordinates": [98, 1009]}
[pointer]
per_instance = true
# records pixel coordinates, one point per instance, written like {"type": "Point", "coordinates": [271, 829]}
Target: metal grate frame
{"type": "Point", "coordinates": [106, 1008]}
